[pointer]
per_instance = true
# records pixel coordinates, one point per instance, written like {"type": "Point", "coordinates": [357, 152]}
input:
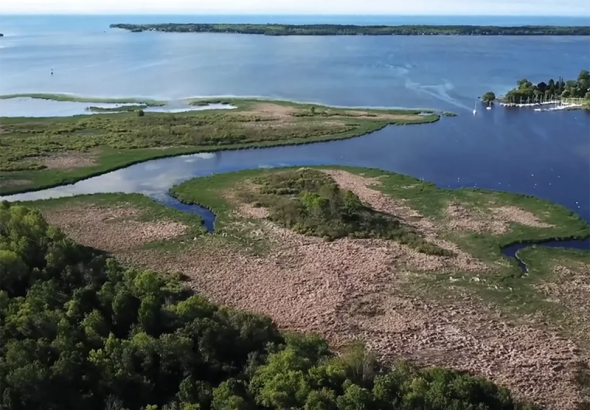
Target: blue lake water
{"type": "Point", "coordinates": [544, 154]}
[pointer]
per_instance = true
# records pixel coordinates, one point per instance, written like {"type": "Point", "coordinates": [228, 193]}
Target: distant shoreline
{"type": "Point", "coordinates": [350, 30]}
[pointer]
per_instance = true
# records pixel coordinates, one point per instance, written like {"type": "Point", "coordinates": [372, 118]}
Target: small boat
{"type": "Point", "coordinates": [475, 108]}
{"type": "Point", "coordinates": [488, 108]}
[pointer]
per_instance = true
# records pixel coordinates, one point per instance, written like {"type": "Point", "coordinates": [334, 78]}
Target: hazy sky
{"type": "Point", "coordinates": [427, 7]}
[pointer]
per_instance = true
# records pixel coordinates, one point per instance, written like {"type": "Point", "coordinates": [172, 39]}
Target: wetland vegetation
{"type": "Point", "coordinates": [340, 30]}
{"type": "Point", "coordinates": [260, 260]}
{"type": "Point", "coordinates": [81, 331]}
{"type": "Point", "coordinates": [43, 152]}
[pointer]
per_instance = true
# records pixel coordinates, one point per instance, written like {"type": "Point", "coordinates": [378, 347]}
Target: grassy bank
{"type": "Point", "coordinates": [44, 152]}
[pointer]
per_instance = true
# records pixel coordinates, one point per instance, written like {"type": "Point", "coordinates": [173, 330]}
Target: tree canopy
{"type": "Point", "coordinates": [350, 30]}
{"type": "Point", "coordinates": [488, 97]}
{"type": "Point", "coordinates": [526, 91]}
{"type": "Point", "coordinates": [80, 331]}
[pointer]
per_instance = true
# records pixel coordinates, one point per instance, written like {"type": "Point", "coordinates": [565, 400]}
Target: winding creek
{"type": "Point", "coordinates": [504, 149]}
{"type": "Point", "coordinates": [546, 154]}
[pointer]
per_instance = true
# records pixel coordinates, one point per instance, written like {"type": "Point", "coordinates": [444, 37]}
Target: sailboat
{"type": "Point", "coordinates": [475, 108]}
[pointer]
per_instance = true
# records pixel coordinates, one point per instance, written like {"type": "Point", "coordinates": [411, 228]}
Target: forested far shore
{"type": "Point", "coordinates": [342, 30]}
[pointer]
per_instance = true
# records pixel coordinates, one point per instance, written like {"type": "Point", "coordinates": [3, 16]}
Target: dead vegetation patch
{"type": "Point", "coordinates": [361, 186]}
{"type": "Point", "coordinates": [570, 287]}
{"type": "Point", "coordinates": [267, 109]}
{"type": "Point", "coordinates": [493, 220]}
{"type": "Point", "coordinates": [308, 284]}
{"type": "Point", "coordinates": [381, 115]}
{"type": "Point", "coordinates": [67, 160]}
{"type": "Point", "coordinates": [14, 182]}
{"type": "Point", "coordinates": [112, 229]}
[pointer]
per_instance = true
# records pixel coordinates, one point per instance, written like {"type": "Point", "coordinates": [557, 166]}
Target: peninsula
{"type": "Point", "coordinates": [349, 30]}
{"type": "Point", "coordinates": [573, 93]}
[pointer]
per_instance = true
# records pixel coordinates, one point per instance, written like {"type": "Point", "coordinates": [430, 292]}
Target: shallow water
{"type": "Point", "coordinates": [32, 107]}
{"type": "Point", "coordinates": [539, 153]}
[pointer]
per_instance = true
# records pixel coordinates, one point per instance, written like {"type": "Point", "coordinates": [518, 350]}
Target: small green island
{"type": "Point", "coordinates": [570, 94]}
{"type": "Point", "coordinates": [350, 30]}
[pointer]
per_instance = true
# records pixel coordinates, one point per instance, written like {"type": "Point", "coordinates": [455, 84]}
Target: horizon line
{"type": "Point", "coordinates": [300, 14]}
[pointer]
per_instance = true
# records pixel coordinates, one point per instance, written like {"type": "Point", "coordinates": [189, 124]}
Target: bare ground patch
{"type": "Point", "coordinates": [493, 220]}
{"type": "Point", "coordinates": [113, 229]}
{"type": "Point", "coordinates": [67, 160]}
{"type": "Point", "coordinates": [361, 186]}
{"type": "Point", "coordinates": [570, 286]}
{"type": "Point", "coordinates": [270, 109]}
{"type": "Point", "coordinates": [381, 116]}
{"type": "Point", "coordinates": [14, 182]}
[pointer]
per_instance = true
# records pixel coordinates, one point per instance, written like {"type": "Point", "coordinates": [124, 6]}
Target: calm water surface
{"type": "Point", "coordinates": [544, 154]}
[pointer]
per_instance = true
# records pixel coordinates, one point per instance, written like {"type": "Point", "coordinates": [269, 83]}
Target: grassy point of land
{"type": "Point", "coordinates": [269, 254]}
{"type": "Point", "coordinates": [44, 152]}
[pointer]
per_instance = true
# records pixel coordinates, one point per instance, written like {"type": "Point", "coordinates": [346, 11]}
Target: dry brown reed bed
{"type": "Point", "coordinates": [14, 182]}
{"type": "Point", "coordinates": [67, 160]}
{"type": "Point", "coordinates": [493, 220]}
{"type": "Point", "coordinates": [352, 288]}
{"type": "Point", "coordinates": [112, 229]}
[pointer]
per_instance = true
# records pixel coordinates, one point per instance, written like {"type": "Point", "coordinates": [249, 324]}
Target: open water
{"type": "Point", "coordinates": [540, 153]}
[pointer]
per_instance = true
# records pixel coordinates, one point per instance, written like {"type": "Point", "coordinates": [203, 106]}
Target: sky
{"type": "Point", "coordinates": [371, 7]}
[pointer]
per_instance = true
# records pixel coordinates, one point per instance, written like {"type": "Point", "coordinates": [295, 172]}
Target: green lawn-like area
{"type": "Point", "coordinates": [37, 153]}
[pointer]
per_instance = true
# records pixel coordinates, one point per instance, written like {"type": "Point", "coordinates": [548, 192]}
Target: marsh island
{"type": "Point", "coordinates": [42, 152]}
{"type": "Point", "coordinates": [349, 30]}
{"type": "Point", "coordinates": [349, 253]}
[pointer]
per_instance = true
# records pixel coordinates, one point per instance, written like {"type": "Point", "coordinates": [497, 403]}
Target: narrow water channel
{"type": "Point", "coordinates": [540, 154]}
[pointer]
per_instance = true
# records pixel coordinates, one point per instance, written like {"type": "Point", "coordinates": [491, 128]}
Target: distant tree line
{"type": "Point", "coordinates": [79, 331]}
{"type": "Point", "coordinates": [341, 30]}
{"type": "Point", "coordinates": [527, 92]}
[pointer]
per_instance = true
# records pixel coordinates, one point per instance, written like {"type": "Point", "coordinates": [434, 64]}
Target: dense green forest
{"type": "Point", "coordinates": [526, 91]}
{"type": "Point", "coordinates": [79, 331]}
{"type": "Point", "coordinates": [343, 30]}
